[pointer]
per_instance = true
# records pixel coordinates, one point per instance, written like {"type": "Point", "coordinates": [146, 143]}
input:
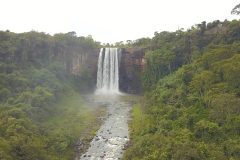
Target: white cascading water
{"type": "Point", "coordinates": [108, 71]}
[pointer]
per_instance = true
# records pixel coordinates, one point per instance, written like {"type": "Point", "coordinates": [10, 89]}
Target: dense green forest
{"type": "Point", "coordinates": [42, 113]}
{"type": "Point", "coordinates": [191, 106]}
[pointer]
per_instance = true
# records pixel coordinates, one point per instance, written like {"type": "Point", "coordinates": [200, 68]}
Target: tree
{"type": "Point", "coordinates": [207, 131]}
{"type": "Point", "coordinates": [129, 42]}
{"type": "Point", "coordinates": [168, 57]}
{"type": "Point", "coordinates": [224, 105]}
{"type": "Point", "coordinates": [234, 30]}
{"type": "Point", "coordinates": [5, 149]}
{"type": "Point", "coordinates": [229, 71]}
{"type": "Point", "coordinates": [4, 94]}
{"type": "Point", "coordinates": [236, 10]}
{"type": "Point", "coordinates": [201, 83]}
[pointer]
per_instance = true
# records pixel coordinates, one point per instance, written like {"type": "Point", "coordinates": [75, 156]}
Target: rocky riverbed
{"type": "Point", "coordinates": [109, 141]}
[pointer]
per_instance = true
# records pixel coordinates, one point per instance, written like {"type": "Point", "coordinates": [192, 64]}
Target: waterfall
{"type": "Point", "coordinates": [108, 71]}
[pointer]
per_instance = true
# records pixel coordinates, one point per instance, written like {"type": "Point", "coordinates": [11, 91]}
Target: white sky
{"type": "Point", "coordinates": [110, 21]}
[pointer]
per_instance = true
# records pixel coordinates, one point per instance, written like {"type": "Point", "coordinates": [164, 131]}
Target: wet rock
{"type": "Point", "coordinates": [79, 142]}
{"type": "Point", "coordinates": [111, 133]}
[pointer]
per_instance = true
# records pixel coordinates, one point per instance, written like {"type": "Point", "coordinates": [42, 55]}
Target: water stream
{"type": "Point", "coordinates": [109, 141]}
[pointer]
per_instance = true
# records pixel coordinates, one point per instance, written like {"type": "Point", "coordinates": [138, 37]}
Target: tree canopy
{"type": "Point", "coordinates": [236, 10]}
{"type": "Point", "coordinates": [41, 114]}
{"type": "Point", "coordinates": [192, 93]}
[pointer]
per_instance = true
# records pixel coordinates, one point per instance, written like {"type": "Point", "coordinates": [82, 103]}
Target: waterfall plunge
{"type": "Point", "coordinates": [108, 71]}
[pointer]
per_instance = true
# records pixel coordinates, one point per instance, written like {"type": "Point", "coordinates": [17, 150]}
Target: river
{"type": "Point", "coordinates": [109, 141]}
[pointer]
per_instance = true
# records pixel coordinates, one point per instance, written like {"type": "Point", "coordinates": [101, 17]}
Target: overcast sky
{"type": "Point", "coordinates": [110, 21]}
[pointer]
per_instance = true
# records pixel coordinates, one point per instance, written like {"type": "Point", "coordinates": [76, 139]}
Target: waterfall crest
{"type": "Point", "coordinates": [108, 71]}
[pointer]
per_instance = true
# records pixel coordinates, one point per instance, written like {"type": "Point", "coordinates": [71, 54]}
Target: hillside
{"type": "Point", "coordinates": [41, 113]}
{"type": "Point", "coordinates": [192, 95]}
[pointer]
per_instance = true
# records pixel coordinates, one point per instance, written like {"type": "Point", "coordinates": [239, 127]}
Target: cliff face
{"type": "Point", "coordinates": [83, 64]}
{"type": "Point", "coordinates": [80, 61]}
{"type": "Point", "coordinates": [131, 66]}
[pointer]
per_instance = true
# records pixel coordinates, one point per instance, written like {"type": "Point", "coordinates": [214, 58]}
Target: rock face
{"type": "Point", "coordinates": [132, 65]}
{"type": "Point", "coordinates": [81, 63]}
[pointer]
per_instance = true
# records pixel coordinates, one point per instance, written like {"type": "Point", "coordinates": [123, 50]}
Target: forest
{"type": "Point", "coordinates": [39, 97]}
{"type": "Point", "coordinates": [191, 107]}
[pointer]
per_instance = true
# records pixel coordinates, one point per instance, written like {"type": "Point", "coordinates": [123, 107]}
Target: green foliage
{"type": "Point", "coordinates": [4, 94]}
{"type": "Point", "coordinates": [235, 10]}
{"type": "Point", "coordinates": [41, 117]}
{"type": "Point", "coordinates": [45, 79]}
{"type": "Point", "coordinates": [57, 69]}
{"type": "Point", "coordinates": [224, 105]}
{"type": "Point", "coordinates": [192, 107]}
{"type": "Point", "coordinates": [207, 131]}
{"type": "Point", "coordinates": [201, 83]}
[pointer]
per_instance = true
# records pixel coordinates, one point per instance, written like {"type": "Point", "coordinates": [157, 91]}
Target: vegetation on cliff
{"type": "Point", "coordinates": [41, 114]}
{"type": "Point", "coordinates": [192, 94]}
